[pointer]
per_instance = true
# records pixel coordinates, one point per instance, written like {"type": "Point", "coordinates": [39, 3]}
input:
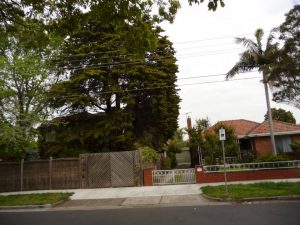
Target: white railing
{"type": "Point", "coordinates": [178, 176]}
{"type": "Point", "coordinates": [253, 166]}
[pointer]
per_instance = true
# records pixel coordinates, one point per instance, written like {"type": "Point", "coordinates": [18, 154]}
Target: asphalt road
{"type": "Point", "coordinates": [287, 213]}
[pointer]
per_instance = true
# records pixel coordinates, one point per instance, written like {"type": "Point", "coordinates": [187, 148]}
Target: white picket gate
{"type": "Point", "coordinates": [177, 176]}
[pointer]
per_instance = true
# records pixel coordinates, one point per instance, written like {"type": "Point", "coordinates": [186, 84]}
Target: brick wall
{"type": "Point", "coordinates": [296, 138]}
{"type": "Point", "coordinates": [202, 177]}
{"type": "Point", "coordinates": [262, 146]}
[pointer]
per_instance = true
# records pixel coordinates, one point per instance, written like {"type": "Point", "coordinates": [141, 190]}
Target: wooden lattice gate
{"type": "Point", "coordinates": [114, 169]}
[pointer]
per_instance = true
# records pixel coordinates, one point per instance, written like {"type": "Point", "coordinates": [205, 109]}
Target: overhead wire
{"type": "Point", "coordinates": [172, 44]}
{"type": "Point", "coordinates": [155, 88]}
{"type": "Point", "coordinates": [142, 61]}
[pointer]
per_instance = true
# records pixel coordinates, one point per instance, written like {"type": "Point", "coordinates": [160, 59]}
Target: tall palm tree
{"type": "Point", "coordinates": [256, 58]}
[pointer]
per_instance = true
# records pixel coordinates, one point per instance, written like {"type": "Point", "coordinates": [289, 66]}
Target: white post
{"type": "Point", "coordinates": [222, 137]}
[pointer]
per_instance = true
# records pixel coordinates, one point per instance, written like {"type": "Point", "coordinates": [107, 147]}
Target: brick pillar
{"type": "Point", "coordinates": [148, 177]}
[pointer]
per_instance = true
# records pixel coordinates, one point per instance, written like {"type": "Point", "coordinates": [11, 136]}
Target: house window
{"type": "Point", "coordinates": [283, 143]}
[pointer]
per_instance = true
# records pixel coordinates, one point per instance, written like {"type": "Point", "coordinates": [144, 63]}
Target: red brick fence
{"type": "Point", "coordinates": [204, 175]}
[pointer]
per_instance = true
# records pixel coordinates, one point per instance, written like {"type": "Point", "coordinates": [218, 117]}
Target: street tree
{"type": "Point", "coordinates": [257, 57]}
{"type": "Point", "coordinates": [282, 115]}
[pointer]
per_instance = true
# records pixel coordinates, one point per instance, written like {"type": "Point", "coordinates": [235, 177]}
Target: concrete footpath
{"type": "Point", "coordinates": [167, 195]}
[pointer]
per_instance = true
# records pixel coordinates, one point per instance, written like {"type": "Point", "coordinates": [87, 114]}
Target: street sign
{"type": "Point", "coordinates": [222, 135]}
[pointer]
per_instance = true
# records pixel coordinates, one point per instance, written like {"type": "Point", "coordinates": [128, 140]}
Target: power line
{"type": "Point", "coordinates": [141, 62]}
{"type": "Point", "coordinates": [220, 81]}
{"type": "Point", "coordinates": [211, 75]}
{"type": "Point", "coordinates": [156, 88]}
{"type": "Point", "coordinates": [213, 38]}
{"type": "Point", "coordinates": [175, 43]}
{"type": "Point", "coordinates": [186, 78]}
{"type": "Point", "coordinates": [210, 39]}
{"type": "Point", "coordinates": [156, 57]}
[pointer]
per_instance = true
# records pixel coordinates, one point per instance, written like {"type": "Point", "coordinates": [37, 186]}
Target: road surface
{"type": "Point", "coordinates": [287, 213]}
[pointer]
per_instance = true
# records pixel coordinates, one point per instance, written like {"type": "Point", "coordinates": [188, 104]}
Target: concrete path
{"type": "Point", "coordinates": [148, 191]}
{"type": "Point", "coordinates": [150, 201]}
{"type": "Point", "coordinates": [158, 196]}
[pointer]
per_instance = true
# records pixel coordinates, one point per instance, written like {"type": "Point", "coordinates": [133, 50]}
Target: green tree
{"type": "Point", "coordinates": [255, 57]}
{"type": "Point", "coordinates": [24, 77]}
{"type": "Point", "coordinates": [196, 139]}
{"type": "Point", "coordinates": [175, 146]}
{"type": "Point", "coordinates": [103, 76]}
{"type": "Point", "coordinates": [286, 72]}
{"type": "Point", "coordinates": [282, 115]}
{"type": "Point", "coordinates": [212, 145]}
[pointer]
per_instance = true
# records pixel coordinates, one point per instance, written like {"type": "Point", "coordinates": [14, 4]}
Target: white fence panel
{"type": "Point", "coordinates": [178, 176]}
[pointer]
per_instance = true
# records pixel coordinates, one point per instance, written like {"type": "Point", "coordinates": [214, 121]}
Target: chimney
{"type": "Point", "coordinates": [189, 123]}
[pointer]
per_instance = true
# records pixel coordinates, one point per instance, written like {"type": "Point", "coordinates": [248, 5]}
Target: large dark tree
{"type": "Point", "coordinates": [137, 95]}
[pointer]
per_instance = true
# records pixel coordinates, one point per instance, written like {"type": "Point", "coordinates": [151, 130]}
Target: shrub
{"type": "Point", "coordinates": [271, 158]}
{"type": "Point", "coordinates": [166, 164]}
{"type": "Point", "coordinates": [295, 146]}
{"type": "Point", "coordinates": [149, 155]}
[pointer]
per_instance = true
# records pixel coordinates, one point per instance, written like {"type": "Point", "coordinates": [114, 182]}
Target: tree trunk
{"type": "Point", "coordinates": [270, 116]}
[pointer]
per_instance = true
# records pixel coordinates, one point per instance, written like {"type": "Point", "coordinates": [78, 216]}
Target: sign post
{"type": "Point", "coordinates": [222, 137]}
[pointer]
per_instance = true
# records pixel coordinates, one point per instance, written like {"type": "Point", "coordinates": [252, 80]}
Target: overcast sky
{"type": "Point", "coordinates": [204, 42]}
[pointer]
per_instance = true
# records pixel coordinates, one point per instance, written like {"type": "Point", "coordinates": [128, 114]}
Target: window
{"type": "Point", "coordinates": [283, 143]}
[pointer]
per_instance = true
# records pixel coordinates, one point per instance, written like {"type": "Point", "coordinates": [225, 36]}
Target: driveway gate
{"type": "Point", "coordinates": [111, 169]}
{"type": "Point", "coordinates": [178, 176]}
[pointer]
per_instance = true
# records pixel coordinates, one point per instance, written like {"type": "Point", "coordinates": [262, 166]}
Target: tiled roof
{"type": "Point", "coordinates": [278, 126]}
{"type": "Point", "coordinates": [242, 127]}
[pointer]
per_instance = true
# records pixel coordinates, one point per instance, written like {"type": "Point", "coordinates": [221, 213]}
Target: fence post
{"type": "Point", "coordinates": [173, 174]}
{"type": "Point", "coordinates": [22, 173]}
{"type": "Point", "coordinates": [50, 173]}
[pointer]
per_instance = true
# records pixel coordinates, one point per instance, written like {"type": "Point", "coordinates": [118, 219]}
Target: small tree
{"type": "Point", "coordinates": [212, 145]}
{"type": "Point", "coordinates": [196, 139]}
{"type": "Point", "coordinates": [174, 146]}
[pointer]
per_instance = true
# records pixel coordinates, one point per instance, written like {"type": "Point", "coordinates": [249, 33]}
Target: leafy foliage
{"type": "Point", "coordinates": [212, 4]}
{"type": "Point", "coordinates": [212, 145]}
{"type": "Point", "coordinates": [196, 139]}
{"type": "Point", "coordinates": [257, 57]}
{"type": "Point", "coordinates": [138, 96]}
{"type": "Point", "coordinates": [295, 146]}
{"type": "Point", "coordinates": [207, 138]}
{"type": "Point", "coordinates": [286, 72]}
{"type": "Point", "coordinates": [24, 77]}
{"type": "Point", "coordinates": [149, 155]}
{"type": "Point", "coordinates": [270, 158]}
{"type": "Point", "coordinates": [281, 115]}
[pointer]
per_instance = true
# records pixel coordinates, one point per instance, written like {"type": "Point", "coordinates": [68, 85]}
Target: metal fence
{"type": "Point", "coordinates": [178, 176]}
{"type": "Point", "coordinates": [253, 166]}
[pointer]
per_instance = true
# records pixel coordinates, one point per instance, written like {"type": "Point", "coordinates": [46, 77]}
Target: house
{"type": "Point", "coordinates": [255, 137]}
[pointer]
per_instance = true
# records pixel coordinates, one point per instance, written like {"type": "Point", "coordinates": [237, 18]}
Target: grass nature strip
{"type": "Point", "coordinates": [33, 199]}
{"type": "Point", "coordinates": [264, 189]}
